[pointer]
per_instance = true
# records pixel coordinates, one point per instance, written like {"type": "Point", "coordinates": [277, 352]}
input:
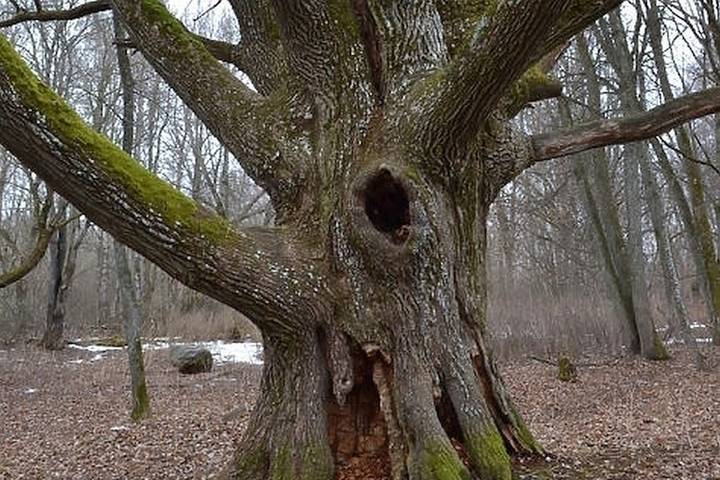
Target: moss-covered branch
{"type": "Point", "coordinates": [534, 86]}
{"type": "Point", "coordinates": [260, 272]}
{"type": "Point", "coordinates": [252, 127]}
{"type": "Point", "coordinates": [28, 263]}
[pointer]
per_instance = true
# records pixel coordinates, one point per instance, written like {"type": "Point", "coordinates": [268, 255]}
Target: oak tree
{"type": "Point", "coordinates": [381, 131]}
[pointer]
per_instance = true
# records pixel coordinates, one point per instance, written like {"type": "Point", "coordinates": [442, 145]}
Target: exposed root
{"type": "Point", "coordinates": [481, 438]}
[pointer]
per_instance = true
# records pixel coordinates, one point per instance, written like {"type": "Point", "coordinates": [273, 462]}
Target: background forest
{"type": "Point", "coordinates": [564, 239]}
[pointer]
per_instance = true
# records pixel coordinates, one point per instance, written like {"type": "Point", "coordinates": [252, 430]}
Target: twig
{"type": "Point", "coordinates": [53, 15]}
{"type": "Point", "coordinates": [207, 11]}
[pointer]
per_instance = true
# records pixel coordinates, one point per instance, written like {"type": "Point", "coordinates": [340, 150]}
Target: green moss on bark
{"type": "Point", "coordinates": [566, 369]}
{"type": "Point", "coordinates": [535, 83]}
{"type": "Point", "coordinates": [440, 462]}
{"type": "Point", "coordinates": [175, 208]}
{"type": "Point", "coordinates": [658, 351]}
{"type": "Point", "coordinates": [141, 403]}
{"type": "Point", "coordinates": [489, 456]}
{"type": "Point", "coordinates": [523, 434]}
{"type": "Point", "coordinates": [315, 463]}
{"type": "Point", "coordinates": [248, 463]}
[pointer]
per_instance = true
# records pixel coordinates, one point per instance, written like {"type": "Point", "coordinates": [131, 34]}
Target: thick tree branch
{"type": "Point", "coordinates": [261, 55]}
{"type": "Point", "coordinates": [252, 127]}
{"type": "Point", "coordinates": [477, 79]}
{"type": "Point", "coordinates": [579, 15]}
{"type": "Point", "coordinates": [409, 37]}
{"type": "Point", "coordinates": [30, 261]}
{"type": "Point", "coordinates": [324, 70]}
{"type": "Point", "coordinates": [642, 126]}
{"type": "Point", "coordinates": [263, 273]}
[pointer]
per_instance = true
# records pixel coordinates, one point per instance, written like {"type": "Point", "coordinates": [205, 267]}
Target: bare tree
{"type": "Point", "coordinates": [132, 318]}
{"type": "Point", "coordinates": [381, 147]}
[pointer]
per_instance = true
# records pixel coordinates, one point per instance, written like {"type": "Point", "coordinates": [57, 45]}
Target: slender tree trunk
{"type": "Point", "coordinates": [616, 285]}
{"type": "Point", "coordinates": [605, 221]}
{"type": "Point", "coordinates": [686, 216]}
{"type": "Point", "coordinates": [506, 221]}
{"type": "Point", "coordinates": [614, 43]}
{"type": "Point", "coordinates": [103, 273]}
{"type": "Point", "coordinates": [23, 316]}
{"type": "Point", "coordinates": [132, 314]}
{"type": "Point", "coordinates": [608, 225]}
{"type": "Point", "coordinates": [55, 310]}
{"type": "Point", "coordinates": [673, 292]}
{"type": "Point", "coordinates": [132, 323]}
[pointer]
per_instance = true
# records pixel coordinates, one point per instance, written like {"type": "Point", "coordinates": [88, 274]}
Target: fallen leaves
{"type": "Point", "coordinates": [622, 420]}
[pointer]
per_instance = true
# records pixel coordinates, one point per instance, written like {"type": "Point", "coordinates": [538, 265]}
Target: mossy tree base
{"type": "Point", "coordinates": [401, 427]}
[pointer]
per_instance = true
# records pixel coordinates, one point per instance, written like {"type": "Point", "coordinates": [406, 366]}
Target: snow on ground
{"type": "Point", "coordinates": [222, 352]}
{"type": "Point", "coordinates": [94, 348]}
{"type": "Point", "coordinates": [232, 352]}
{"type": "Point", "coordinates": [672, 341]}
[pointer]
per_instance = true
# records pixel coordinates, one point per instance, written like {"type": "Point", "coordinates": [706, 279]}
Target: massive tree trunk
{"type": "Point", "coordinates": [381, 149]}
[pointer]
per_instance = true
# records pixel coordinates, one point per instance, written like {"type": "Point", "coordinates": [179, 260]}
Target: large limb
{"type": "Point", "coordinates": [536, 84]}
{"type": "Point", "coordinates": [579, 15]}
{"type": "Point", "coordinates": [501, 57]}
{"type": "Point", "coordinates": [472, 85]}
{"type": "Point", "coordinates": [410, 41]}
{"type": "Point", "coordinates": [263, 273]}
{"type": "Point", "coordinates": [261, 54]}
{"type": "Point", "coordinates": [252, 127]}
{"type": "Point", "coordinates": [641, 126]}
{"type": "Point", "coordinates": [321, 41]}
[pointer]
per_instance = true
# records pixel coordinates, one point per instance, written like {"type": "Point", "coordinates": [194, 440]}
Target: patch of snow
{"type": "Point", "coordinates": [230, 352]}
{"type": "Point", "coordinates": [672, 341]}
{"type": "Point", "coordinates": [31, 390]}
{"type": "Point", "coordinates": [94, 348]}
{"type": "Point", "coordinates": [156, 344]}
{"type": "Point", "coordinates": [119, 428]}
{"type": "Point", "coordinates": [697, 325]}
{"type": "Point", "coordinates": [222, 352]}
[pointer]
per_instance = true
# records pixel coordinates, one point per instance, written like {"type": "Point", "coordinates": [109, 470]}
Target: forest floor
{"type": "Point", "coordinates": [61, 418]}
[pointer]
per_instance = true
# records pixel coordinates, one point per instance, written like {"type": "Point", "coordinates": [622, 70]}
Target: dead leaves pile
{"type": "Point", "coordinates": [626, 420]}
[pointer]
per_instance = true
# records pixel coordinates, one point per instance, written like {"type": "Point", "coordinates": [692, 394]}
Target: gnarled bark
{"type": "Point", "coordinates": [370, 293]}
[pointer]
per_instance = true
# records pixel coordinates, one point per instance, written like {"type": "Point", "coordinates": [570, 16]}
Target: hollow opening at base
{"type": "Point", "coordinates": [387, 205]}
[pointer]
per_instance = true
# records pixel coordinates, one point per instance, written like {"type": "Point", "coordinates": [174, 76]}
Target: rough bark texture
{"type": "Point", "coordinates": [381, 149]}
{"type": "Point", "coordinates": [55, 311]}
